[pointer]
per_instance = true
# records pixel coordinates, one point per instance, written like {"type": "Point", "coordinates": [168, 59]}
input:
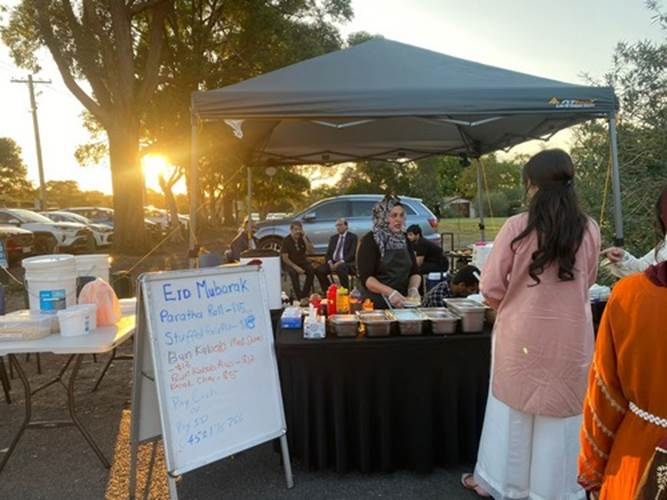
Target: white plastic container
{"type": "Point", "coordinates": [74, 321]}
{"type": "Point", "coordinates": [24, 327]}
{"type": "Point", "coordinates": [481, 252]}
{"type": "Point", "coordinates": [96, 265]}
{"type": "Point", "coordinates": [271, 265]}
{"type": "Point", "coordinates": [51, 282]}
{"type": "Point", "coordinates": [26, 314]}
{"type": "Point", "coordinates": [91, 310]}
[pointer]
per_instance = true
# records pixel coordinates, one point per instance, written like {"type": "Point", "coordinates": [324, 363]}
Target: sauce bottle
{"type": "Point", "coordinates": [331, 300]}
{"type": "Point", "coordinates": [342, 301]}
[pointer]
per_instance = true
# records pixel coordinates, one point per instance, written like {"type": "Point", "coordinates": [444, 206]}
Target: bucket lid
{"type": "Point", "coordinates": [48, 262]}
{"type": "Point", "coordinates": [73, 311]}
{"type": "Point", "coordinates": [93, 258]}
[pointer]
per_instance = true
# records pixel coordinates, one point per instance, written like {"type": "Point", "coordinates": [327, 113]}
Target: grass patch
{"type": "Point", "coordinates": [466, 231]}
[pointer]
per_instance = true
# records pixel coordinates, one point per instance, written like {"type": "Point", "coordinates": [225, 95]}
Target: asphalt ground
{"type": "Point", "coordinates": [58, 464]}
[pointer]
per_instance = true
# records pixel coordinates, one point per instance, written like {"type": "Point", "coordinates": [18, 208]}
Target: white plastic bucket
{"type": "Point", "coordinates": [74, 321]}
{"type": "Point", "coordinates": [51, 282]}
{"type": "Point", "coordinates": [96, 265]}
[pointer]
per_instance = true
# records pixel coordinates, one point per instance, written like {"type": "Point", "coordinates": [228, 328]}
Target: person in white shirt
{"type": "Point", "coordinates": [340, 257]}
{"type": "Point", "coordinates": [624, 263]}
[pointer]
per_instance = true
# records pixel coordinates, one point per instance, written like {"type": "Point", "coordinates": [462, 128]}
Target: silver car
{"type": "Point", "coordinates": [319, 220]}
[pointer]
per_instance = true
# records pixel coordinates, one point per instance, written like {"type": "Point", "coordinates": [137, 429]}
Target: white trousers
{"type": "Point", "coordinates": [525, 456]}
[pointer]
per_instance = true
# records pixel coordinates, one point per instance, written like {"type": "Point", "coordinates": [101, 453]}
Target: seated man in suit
{"type": "Point", "coordinates": [340, 256]}
{"type": "Point", "coordinates": [430, 258]}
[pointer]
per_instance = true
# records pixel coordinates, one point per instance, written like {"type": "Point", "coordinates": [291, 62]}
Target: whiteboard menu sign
{"type": "Point", "coordinates": [211, 341]}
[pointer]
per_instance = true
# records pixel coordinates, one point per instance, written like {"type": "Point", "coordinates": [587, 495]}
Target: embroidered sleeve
{"type": "Point", "coordinates": [604, 407]}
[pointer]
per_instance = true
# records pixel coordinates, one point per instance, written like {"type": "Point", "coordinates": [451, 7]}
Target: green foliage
{"type": "Point", "coordinates": [278, 193]}
{"type": "Point", "coordinates": [639, 76]}
{"type": "Point", "coordinates": [498, 176]}
{"type": "Point", "coordinates": [360, 37]}
{"type": "Point", "coordinates": [14, 184]}
{"type": "Point", "coordinates": [67, 193]}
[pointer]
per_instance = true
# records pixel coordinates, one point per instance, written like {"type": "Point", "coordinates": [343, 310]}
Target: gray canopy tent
{"type": "Point", "coordinates": [384, 100]}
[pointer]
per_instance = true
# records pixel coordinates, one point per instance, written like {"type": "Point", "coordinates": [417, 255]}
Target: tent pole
{"type": "Point", "coordinates": [616, 183]}
{"type": "Point", "coordinates": [249, 201]}
{"type": "Point", "coordinates": [193, 194]}
{"type": "Point", "coordinates": [480, 204]}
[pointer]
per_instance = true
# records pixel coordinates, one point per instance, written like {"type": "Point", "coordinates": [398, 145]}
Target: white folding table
{"type": "Point", "coordinates": [101, 340]}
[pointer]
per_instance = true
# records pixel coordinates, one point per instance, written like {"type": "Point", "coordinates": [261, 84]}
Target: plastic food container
{"type": "Point", "coordinates": [344, 325]}
{"type": "Point", "coordinates": [74, 321]}
{"type": "Point", "coordinates": [443, 322]}
{"type": "Point", "coordinates": [409, 322]}
{"type": "Point", "coordinates": [471, 313]}
{"type": "Point", "coordinates": [377, 323]}
{"type": "Point", "coordinates": [24, 326]}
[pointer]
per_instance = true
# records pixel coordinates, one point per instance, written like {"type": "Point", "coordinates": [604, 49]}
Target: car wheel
{"type": "Point", "coordinates": [271, 243]}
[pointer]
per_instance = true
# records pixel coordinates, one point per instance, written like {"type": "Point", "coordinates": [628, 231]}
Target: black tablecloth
{"type": "Point", "coordinates": [380, 404]}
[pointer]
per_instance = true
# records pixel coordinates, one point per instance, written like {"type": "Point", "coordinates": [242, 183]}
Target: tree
{"type": "Point", "coordinates": [639, 77]}
{"type": "Point", "coordinates": [117, 48]}
{"type": "Point", "coordinates": [14, 184]}
{"type": "Point", "coordinates": [360, 37]}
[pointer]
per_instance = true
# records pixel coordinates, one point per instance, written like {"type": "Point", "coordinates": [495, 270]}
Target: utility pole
{"type": "Point", "coordinates": [40, 164]}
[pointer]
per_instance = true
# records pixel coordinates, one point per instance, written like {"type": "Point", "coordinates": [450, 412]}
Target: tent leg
{"type": "Point", "coordinates": [193, 194]}
{"type": "Point", "coordinates": [616, 183]}
{"type": "Point", "coordinates": [249, 201]}
{"type": "Point", "coordinates": [480, 203]}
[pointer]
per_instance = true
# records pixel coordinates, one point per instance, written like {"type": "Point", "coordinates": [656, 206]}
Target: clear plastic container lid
{"type": "Point", "coordinates": [24, 326]}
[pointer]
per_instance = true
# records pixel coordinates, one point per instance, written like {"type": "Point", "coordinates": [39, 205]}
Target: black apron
{"type": "Point", "coordinates": [395, 271]}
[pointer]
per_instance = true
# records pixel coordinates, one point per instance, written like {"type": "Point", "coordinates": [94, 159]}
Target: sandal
{"type": "Point", "coordinates": [468, 482]}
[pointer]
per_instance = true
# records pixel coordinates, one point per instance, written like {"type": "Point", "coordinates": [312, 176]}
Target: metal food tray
{"type": "Point", "coordinates": [377, 323]}
{"type": "Point", "coordinates": [471, 312]}
{"type": "Point", "coordinates": [443, 321]}
{"type": "Point", "coordinates": [344, 325]}
{"type": "Point", "coordinates": [410, 322]}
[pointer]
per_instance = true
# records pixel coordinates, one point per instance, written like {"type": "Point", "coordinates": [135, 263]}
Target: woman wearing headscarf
{"type": "Point", "coordinates": [625, 410]}
{"type": "Point", "coordinates": [537, 278]}
{"type": "Point", "coordinates": [386, 263]}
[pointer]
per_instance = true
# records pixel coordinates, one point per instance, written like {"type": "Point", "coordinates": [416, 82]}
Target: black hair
{"type": "Point", "coordinates": [553, 213]}
{"type": "Point", "coordinates": [661, 221]}
{"type": "Point", "coordinates": [296, 223]}
{"type": "Point", "coordinates": [466, 275]}
{"type": "Point", "coordinates": [414, 229]}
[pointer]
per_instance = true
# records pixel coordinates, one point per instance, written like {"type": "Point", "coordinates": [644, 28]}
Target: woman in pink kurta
{"type": "Point", "coordinates": [537, 278]}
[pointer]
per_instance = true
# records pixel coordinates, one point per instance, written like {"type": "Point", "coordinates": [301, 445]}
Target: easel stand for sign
{"type": "Point", "coordinates": [205, 374]}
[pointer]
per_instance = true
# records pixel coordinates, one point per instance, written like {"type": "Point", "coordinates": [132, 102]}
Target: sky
{"type": "Point", "coordinates": [559, 40]}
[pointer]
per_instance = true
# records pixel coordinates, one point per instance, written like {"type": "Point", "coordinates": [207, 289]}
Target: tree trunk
{"type": "Point", "coordinates": [228, 207]}
{"type": "Point", "coordinates": [130, 236]}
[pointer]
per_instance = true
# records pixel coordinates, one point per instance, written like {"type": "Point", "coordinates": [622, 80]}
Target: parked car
{"type": "Point", "coordinates": [49, 235]}
{"type": "Point", "coordinates": [276, 215]}
{"type": "Point", "coordinates": [18, 243]}
{"type": "Point", "coordinates": [103, 215]}
{"type": "Point", "coordinates": [319, 220]}
{"type": "Point", "coordinates": [103, 233]}
{"type": "Point", "coordinates": [163, 217]}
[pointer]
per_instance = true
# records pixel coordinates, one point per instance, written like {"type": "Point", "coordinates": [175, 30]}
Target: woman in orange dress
{"type": "Point", "coordinates": [625, 410]}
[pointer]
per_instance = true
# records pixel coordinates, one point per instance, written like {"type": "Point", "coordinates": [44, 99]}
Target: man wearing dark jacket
{"type": "Point", "coordinates": [340, 256]}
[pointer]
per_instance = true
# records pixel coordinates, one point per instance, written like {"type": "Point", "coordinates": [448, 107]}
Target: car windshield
{"type": "Point", "coordinates": [29, 216]}
{"type": "Point", "coordinates": [73, 217]}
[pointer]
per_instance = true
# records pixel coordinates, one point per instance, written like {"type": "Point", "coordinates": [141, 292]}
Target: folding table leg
{"type": "Point", "coordinates": [104, 370]}
{"type": "Point", "coordinates": [72, 412]}
{"type": "Point", "coordinates": [4, 379]}
{"type": "Point", "coordinates": [28, 410]}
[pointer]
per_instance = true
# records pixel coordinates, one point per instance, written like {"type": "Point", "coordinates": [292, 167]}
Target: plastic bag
{"type": "Point", "coordinates": [99, 292]}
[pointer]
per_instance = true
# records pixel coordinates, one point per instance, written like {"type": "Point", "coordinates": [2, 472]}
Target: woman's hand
{"type": "Point", "coordinates": [614, 254]}
{"type": "Point", "coordinates": [396, 299]}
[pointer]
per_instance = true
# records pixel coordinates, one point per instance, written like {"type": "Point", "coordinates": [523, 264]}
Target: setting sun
{"type": "Point", "coordinates": [154, 166]}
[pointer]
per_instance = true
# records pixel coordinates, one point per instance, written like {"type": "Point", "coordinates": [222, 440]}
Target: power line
{"type": "Point", "coordinates": [33, 107]}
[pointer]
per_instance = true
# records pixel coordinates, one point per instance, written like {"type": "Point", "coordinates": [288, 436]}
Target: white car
{"type": "Point", "coordinates": [49, 235]}
{"type": "Point", "coordinates": [103, 233]}
{"type": "Point", "coordinates": [163, 217]}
